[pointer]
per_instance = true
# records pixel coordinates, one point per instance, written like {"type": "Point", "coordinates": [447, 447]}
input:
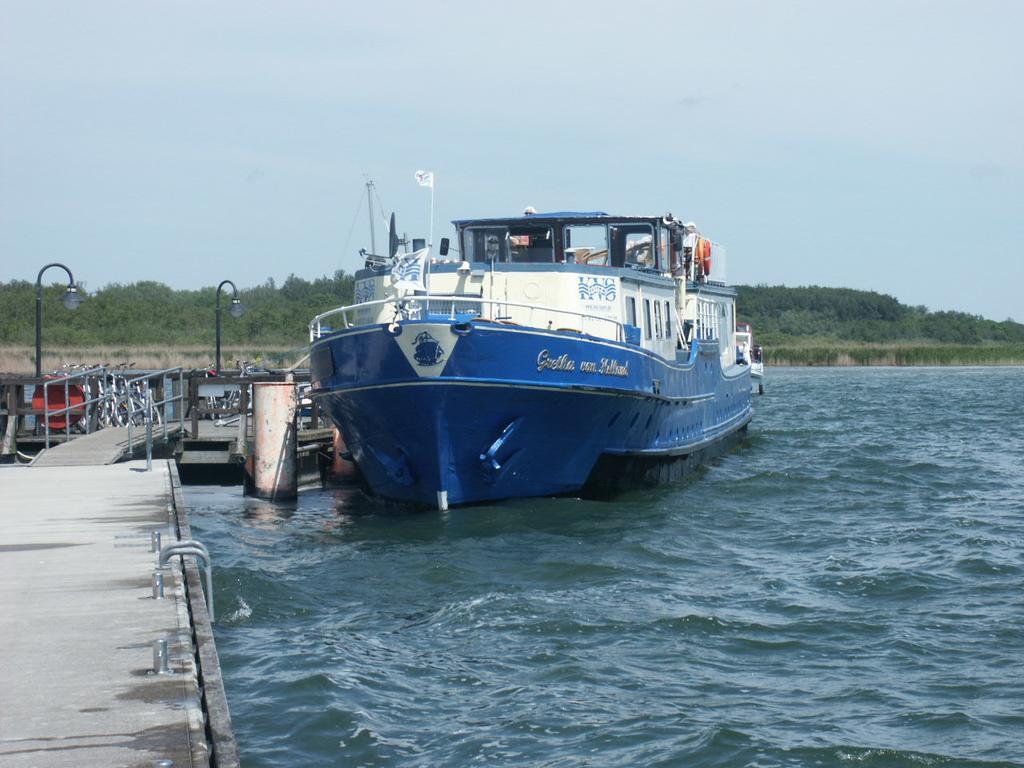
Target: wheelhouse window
{"type": "Point", "coordinates": [658, 332]}
{"type": "Point", "coordinates": [631, 310]}
{"type": "Point", "coordinates": [632, 245]}
{"type": "Point", "coordinates": [647, 318]}
{"type": "Point", "coordinates": [668, 320]}
{"type": "Point", "coordinates": [515, 244]}
{"type": "Point", "coordinates": [586, 244]}
{"type": "Point", "coordinates": [664, 249]}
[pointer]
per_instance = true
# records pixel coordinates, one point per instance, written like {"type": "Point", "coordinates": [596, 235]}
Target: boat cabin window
{"type": "Point", "coordinates": [515, 243]}
{"type": "Point", "coordinates": [631, 245]}
{"type": "Point", "coordinates": [586, 244]}
{"type": "Point", "coordinates": [665, 253]}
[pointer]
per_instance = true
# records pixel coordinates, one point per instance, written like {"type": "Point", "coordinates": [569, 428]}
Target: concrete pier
{"type": "Point", "coordinates": [78, 622]}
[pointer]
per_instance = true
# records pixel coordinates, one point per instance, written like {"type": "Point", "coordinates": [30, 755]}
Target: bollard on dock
{"type": "Point", "coordinates": [161, 662]}
{"type": "Point", "coordinates": [275, 466]}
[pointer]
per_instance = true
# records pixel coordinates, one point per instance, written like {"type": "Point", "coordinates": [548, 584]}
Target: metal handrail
{"type": "Point", "coordinates": [47, 413]}
{"type": "Point", "coordinates": [197, 550]}
{"type": "Point", "coordinates": [152, 374]}
{"type": "Point", "coordinates": [132, 410]}
{"type": "Point", "coordinates": [150, 405]}
{"type": "Point", "coordinates": [401, 306]}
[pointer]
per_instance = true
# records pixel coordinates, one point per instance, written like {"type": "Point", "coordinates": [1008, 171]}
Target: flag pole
{"type": "Point", "coordinates": [430, 242]}
{"type": "Point", "coordinates": [426, 179]}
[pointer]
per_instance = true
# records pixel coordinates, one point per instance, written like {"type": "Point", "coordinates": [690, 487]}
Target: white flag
{"type": "Point", "coordinates": [410, 270]}
{"type": "Point", "coordinates": [425, 178]}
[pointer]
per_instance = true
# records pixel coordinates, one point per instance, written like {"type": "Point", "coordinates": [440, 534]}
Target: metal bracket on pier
{"type": "Point", "coordinates": [198, 550]}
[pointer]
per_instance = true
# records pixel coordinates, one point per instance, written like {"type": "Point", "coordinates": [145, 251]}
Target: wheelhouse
{"type": "Point", "coordinates": [595, 239]}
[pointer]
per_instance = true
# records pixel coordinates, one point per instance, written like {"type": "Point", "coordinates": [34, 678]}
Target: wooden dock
{"type": "Point", "coordinates": [78, 621]}
{"type": "Point", "coordinates": [106, 446]}
{"type": "Point", "coordinates": [208, 426]}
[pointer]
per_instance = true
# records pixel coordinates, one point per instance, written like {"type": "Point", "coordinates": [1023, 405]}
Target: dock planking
{"type": "Point", "coordinates": [78, 621]}
{"type": "Point", "coordinates": [105, 446]}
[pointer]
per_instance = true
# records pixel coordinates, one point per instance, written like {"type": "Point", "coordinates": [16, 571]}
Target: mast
{"type": "Point", "coordinates": [369, 199]}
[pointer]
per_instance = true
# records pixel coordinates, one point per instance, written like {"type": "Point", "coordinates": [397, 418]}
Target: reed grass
{"type": "Point", "coordinates": [21, 359]}
{"type": "Point", "coordinates": [848, 354]}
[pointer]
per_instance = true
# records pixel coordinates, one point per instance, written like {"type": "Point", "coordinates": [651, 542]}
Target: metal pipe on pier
{"type": "Point", "coordinates": [275, 465]}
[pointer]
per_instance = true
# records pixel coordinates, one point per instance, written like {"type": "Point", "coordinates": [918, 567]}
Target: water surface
{"type": "Point", "coordinates": [843, 590]}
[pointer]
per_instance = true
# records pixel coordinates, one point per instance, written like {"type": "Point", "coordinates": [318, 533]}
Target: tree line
{"type": "Point", "coordinates": [151, 313]}
{"type": "Point", "coordinates": [780, 314]}
{"type": "Point", "coordinates": [148, 313]}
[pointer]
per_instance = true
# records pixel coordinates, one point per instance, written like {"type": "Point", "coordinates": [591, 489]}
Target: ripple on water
{"type": "Point", "coordinates": [844, 590]}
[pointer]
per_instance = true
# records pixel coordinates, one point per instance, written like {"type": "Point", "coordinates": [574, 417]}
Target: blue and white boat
{"type": "Point", "coordinates": [561, 353]}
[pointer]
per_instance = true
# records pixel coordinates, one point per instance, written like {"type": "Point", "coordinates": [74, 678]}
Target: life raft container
{"type": "Point", "coordinates": [704, 255]}
{"type": "Point", "coordinates": [55, 402]}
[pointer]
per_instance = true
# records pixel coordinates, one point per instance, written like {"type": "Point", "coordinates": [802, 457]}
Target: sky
{"type": "Point", "coordinates": [872, 145]}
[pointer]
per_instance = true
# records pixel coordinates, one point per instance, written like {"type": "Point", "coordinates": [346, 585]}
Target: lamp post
{"type": "Point", "coordinates": [72, 298]}
{"type": "Point", "coordinates": [236, 310]}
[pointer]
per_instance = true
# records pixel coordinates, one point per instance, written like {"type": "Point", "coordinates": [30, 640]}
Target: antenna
{"type": "Point", "coordinates": [369, 197]}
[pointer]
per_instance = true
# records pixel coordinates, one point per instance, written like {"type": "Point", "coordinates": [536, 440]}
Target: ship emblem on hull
{"type": "Point", "coordinates": [427, 350]}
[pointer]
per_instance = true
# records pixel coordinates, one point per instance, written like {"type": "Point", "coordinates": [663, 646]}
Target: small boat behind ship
{"type": "Point", "coordinates": [560, 353]}
{"type": "Point", "coordinates": [749, 353]}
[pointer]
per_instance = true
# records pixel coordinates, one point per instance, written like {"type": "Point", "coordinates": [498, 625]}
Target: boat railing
{"type": "Point", "coordinates": [457, 306]}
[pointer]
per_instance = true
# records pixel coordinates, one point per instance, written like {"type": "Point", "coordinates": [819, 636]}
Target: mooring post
{"type": "Point", "coordinates": [341, 468]}
{"type": "Point", "coordinates": [241, 441]}
{"type": "Point", "coordinates": [275, 467]}
{"type": "Point", "coordinates": [161, 663]}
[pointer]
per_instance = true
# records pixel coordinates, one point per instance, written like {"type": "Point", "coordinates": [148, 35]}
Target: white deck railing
{"type": "Point", "coordinates": [452, 305]}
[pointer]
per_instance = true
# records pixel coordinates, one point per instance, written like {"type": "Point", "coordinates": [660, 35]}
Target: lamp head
{"type": "Point", "coordinates": [236, 309]}
{"type": "Point", "coordinates": [72, 298]}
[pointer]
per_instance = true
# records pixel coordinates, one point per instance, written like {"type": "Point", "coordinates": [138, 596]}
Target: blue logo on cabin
{"type": "Point", "coordinates": [600, 288]}
{"type": "Point", "coordinates": [365, 291]}
{"type": "Point", "coordinates": [427, 351]}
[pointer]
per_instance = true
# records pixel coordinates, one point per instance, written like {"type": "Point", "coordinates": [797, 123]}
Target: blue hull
{"type": "Point", "coordinates": [469, 412]}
